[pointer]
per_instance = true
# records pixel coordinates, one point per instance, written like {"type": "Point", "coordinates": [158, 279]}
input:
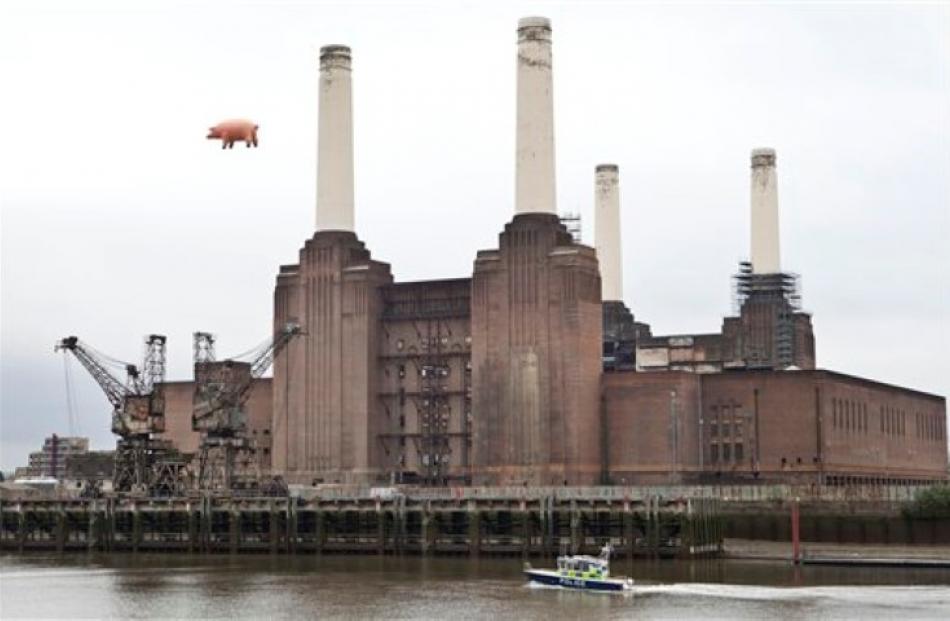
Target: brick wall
{"type": "Point", "coordinates": [325, 383]}
{"type": "Point", "coordinates": [777, 426]}
{"type": "Point", "coordinates": [536, 357]}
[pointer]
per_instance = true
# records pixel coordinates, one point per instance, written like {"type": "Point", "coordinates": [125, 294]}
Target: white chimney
{"type": "Point", "coordinates": [534, 159]}
{"type": "Point", "coordinates": [764, 199]}
{"type": "Point", "coordinates": [607, 231]}
{"type": "Point", "coordinates": [335, 141]}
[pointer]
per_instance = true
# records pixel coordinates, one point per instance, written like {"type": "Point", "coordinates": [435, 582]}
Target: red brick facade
{"type": "Point", "coordinates": [536, 357]}
{"type": "Point", "coordinates": [498, 380]}
{"type": "Point", "coordinates": [789, 426]}
{"type": "Point", "coordinates": [325, 388]}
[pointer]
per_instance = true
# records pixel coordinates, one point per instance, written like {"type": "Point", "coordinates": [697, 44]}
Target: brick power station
{"type": "Point", "coordinates": [532, 370]}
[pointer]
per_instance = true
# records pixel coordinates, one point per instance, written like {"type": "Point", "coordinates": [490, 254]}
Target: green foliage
{"type": "Point", "coordinates": [932, 502]}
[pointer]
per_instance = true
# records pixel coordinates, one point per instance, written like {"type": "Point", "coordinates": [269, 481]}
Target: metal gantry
{"type": "Point", "coordinates": [229, 459]}
{"type": "Point", "coordinates": [144, 464]}
{"type": "Point", "coordinates": [432, 444]}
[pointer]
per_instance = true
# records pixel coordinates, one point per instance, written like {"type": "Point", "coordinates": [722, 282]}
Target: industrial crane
{"type": "Point", "coordinates": [228, 457]}
{"type": "Point", "coordinates": [143, 463]}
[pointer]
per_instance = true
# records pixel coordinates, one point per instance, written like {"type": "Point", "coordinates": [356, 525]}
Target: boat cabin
{"type": "Point", "coordinates": [582, 567]}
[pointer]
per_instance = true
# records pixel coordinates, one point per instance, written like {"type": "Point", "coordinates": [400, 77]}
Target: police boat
{"type": "Point", "coordinates": [591, 573]}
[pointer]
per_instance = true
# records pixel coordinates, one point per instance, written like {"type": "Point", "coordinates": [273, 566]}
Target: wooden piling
{"type": "Point", "coordinates": [62, 531]}
{"type": "Point", "coordinates": [426, 536]}
{"type": "Point", "coordinates": [795, 533]}
{"type": "Point", "coordinates": [274, 519]}
{"type": "Point", "coordinates": [234, 530]}
{"type": "Point", "coordinates": [136, 527]}
{"type": "Point", "coordinates": [575, 528]}
{"type": "Point", "coordinates": [22, 526]}
{"type": "Point", "coordinates": [474, 530]}
{"type": "Point", "coordinates": [291, 526]}
{"type": "Point", "coordinates": [320, 533]}
{"type": "Point", "coordinates": [380, 529]}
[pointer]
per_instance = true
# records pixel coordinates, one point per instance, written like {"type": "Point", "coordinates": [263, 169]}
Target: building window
{"type": "Point", "coordinates": [726, 429]}
{"type": "Point", "coordinates": [725, 452]}
{"type": "Point", "coordinates": [713, 453]}
{"type": "Point", "coordinates": [738, 451]}
{"type": "Point", "coordinates": [834, 413]}
{"type": "Point", "coordinates": [713, 430]}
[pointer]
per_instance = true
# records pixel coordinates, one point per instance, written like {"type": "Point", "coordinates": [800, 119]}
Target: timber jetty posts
{"type": "Point", "coordinates": [530, 522]}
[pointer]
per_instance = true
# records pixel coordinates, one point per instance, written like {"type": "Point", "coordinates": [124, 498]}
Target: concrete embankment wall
{"type": "Point", "coordinates": [655, 521]}
{"type": "Point", "coordinates": [387, 523]}
{"type": "Point", "coordinates": [827, 527]}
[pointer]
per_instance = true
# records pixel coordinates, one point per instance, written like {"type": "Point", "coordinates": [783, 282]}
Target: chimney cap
{"type": "Point", "coordinates": [534, 22]}
{"type": "Point", "coordinates": [335, 49]}
{"type": "Point", "coordinates": [763, 156]}
{"type": "Point", "coordinates": [607, 168]}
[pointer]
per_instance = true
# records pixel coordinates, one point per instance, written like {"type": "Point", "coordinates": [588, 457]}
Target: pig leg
{"type": "Point", "coordinates": [254, 139]}
{"type": "Point", "coordinates": [224, 143]}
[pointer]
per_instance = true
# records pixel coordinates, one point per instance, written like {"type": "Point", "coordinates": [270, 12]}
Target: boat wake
{"type": "Point", "coordinates": [883, 596]}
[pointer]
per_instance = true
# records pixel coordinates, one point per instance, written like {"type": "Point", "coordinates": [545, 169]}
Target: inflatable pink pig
{"type": "Point", "coordinates": [230, 132]}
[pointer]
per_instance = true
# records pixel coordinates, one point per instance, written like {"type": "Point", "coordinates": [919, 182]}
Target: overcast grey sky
{"type": "Point", "coordinates": [120, 219]}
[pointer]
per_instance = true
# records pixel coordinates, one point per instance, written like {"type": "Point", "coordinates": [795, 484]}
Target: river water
{"type": "Point", "coordinates": [176, 586]}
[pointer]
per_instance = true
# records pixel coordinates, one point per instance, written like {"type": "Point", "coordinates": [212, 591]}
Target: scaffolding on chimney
{"type": "Point", "coordinates": [768, 302]}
